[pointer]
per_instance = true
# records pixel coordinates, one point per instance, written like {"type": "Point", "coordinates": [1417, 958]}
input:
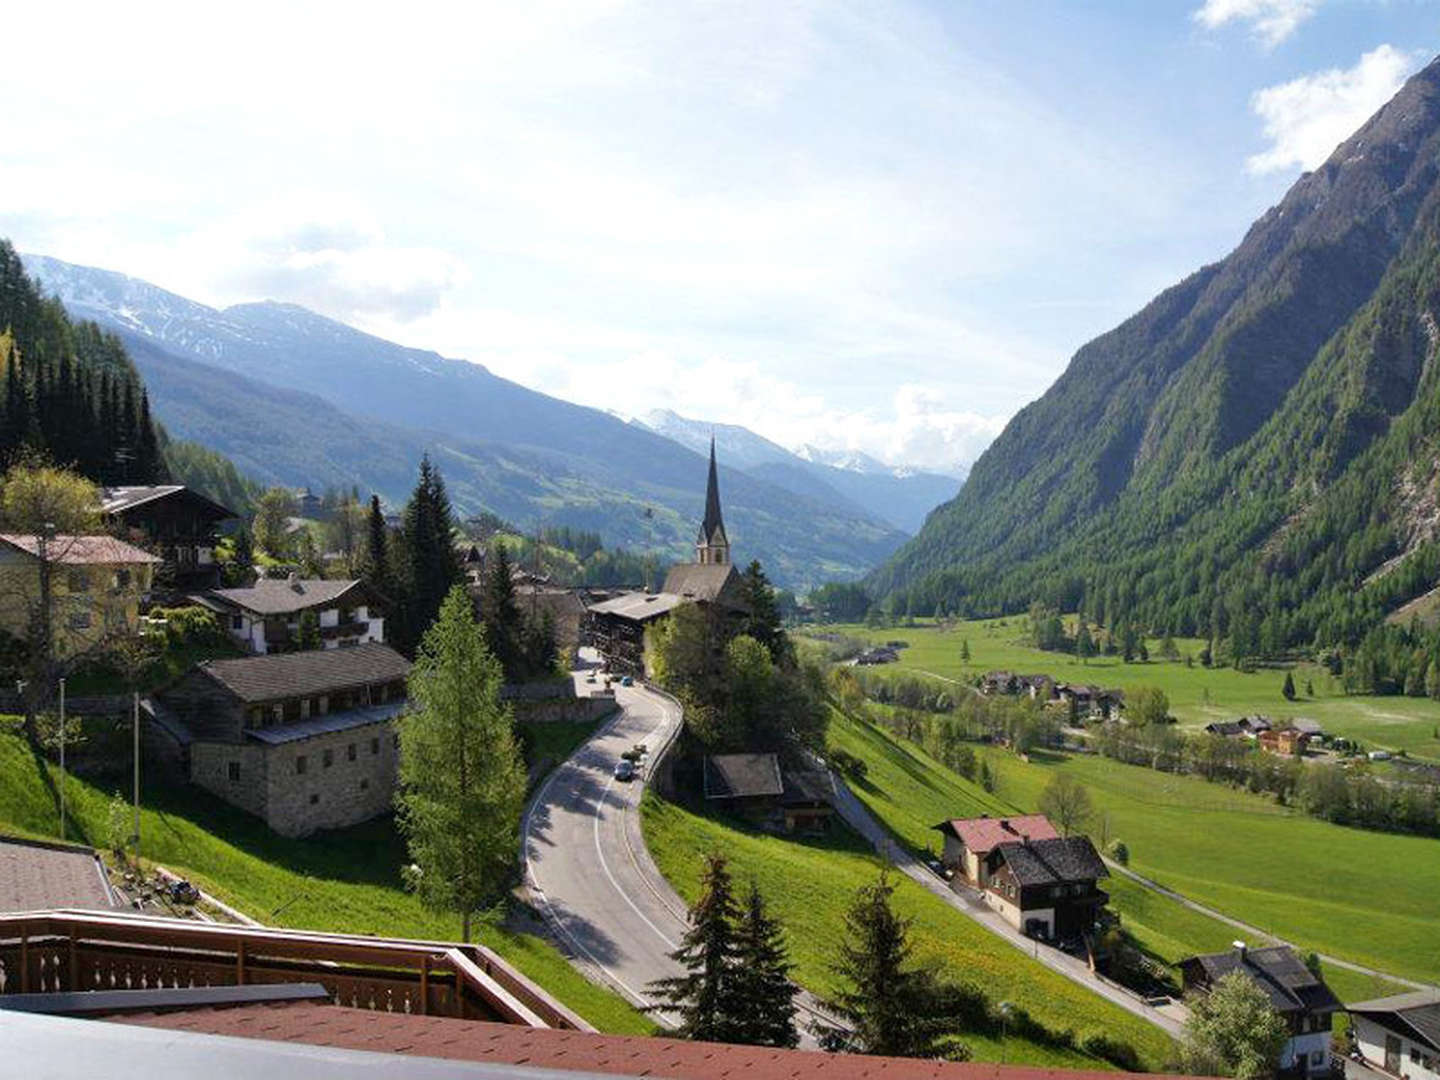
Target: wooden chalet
{"type": "Point", "coordinates": [969, 841]}
{"type": "Point", "coordinates": [1294, 991]}
{"type": "Point", "coordinates": [1047, 888]}
{"type": "Point", "coordinates": [175, 521]}
{"type": "Point", "coordinates": [757, 787]}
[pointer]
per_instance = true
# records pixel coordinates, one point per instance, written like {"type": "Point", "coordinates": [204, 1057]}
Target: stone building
{"type": "Point", "coordinates": [302, 740]}
{"type": "Point", "coordinates": [265, 617]}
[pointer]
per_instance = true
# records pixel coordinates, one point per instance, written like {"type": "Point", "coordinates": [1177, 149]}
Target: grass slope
{"type": "Point", "coordinates": [346, 881]}
{"type": "Point", "coordinates": [1197, 695]}
{"type": "Point", "coordinates": [909, 791]}
{"type": "Point", "coordinates": [811, 883]}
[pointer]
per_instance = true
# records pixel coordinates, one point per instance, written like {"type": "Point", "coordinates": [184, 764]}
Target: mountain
{"type": "Point", "coordinates": [1255, 454]}
{"type": "Point", "coordinates": [296, 398]}
{"type": "Point", "coordinates": [900, 496]}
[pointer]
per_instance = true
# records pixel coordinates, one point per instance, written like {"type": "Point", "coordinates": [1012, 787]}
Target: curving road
{"type": "Point", "coordinates": [585, 859]}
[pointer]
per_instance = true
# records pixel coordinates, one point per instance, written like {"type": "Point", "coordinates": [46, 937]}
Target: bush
{"type": "Point", "coordinates": [850, 766]}
{"type": "Point", "coordinates": [192, 625]}
{"type": "Point", "coordinates": [1114, 1051]}
{"type": "Point", "coordinates": [1119, 852]}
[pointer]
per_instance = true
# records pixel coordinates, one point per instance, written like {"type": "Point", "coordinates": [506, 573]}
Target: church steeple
{"type": "Point", "coordinates": [713, 546]}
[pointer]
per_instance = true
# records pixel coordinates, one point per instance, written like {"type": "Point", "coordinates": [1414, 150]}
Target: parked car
{"type": "Point", "coordinates": [627, 681]}
{"type": "Point", "coordinates": [624, 770]}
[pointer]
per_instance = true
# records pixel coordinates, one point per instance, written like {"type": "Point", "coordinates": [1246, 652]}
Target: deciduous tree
{"type": "Point", "coordinates": [1233, 1031]}
{"type": "Point", "coordinates": [1067, 804]}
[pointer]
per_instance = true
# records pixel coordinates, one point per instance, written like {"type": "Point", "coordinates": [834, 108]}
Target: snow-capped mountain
{"type": "Point", "coordinates": [903, 496]}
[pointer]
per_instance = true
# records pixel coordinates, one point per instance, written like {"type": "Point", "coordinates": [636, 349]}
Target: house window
{"type": "Point", "coordinates": [237, 622]}
{"type": "Point", "coordinates": [1414, 1055]}
{"type": "Point", "coordinates": [374, 746]}
{"type": "Point", "coordinates": [314, 799]}
{"type": "Point", "coordinates": [328, 758]}
{"type": "Point", "coordinates": [233, 769]}
{"type": "Point", "coordinates": [122, 579]}
{"type": "Point", "coordinates": [350, 752]}
{"type": "Point", "coordinates": [300, 764]}
{"type": "Point", "coordinates": [1317, 1058]}
{"type": "Point", "coordinates": [79, 581]}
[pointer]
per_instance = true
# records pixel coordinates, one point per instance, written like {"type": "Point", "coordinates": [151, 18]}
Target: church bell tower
{"type": "Point", "coordinates": [712, 548]}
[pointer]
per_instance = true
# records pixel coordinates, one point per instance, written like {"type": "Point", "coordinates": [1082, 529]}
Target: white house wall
{"type": "Point", "coordinates": [1371, 1039]}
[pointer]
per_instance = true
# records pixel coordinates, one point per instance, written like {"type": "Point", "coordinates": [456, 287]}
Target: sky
{"type": "Point", "coordinates": [871, 225]}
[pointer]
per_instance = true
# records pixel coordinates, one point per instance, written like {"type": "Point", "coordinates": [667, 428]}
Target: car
{"type": "Point", "coordinates": [627, 681]}
{"type": "Point", "coordinates": [624, 770]}
{"type": "Point", "coordinates": [590, 678]}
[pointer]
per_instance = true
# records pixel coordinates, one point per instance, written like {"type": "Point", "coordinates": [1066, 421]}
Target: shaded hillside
{"type": "Point", "coordinates": [1245, 455]}
{"type": "Point", "coordinates": [296, 398]}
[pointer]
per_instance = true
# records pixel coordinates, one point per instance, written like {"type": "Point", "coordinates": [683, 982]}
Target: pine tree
{"type": "Point", "coordinates": [965, 650]}
{"type": "Point", "coordinates": [1288, 690]}
{"type": "Point", "coordinates": [432, 567]}
{"type": "Point", "coordinates": [763, 994]}
{"type": "Point", "coordinates": [763, 621]}
{"type": "Point", "coordinates": [499, 615]}
{"type": "Point", "coordinates": [241, 570]}
{"type": "Point", "coordinates": [890, 1006]}
{"type": "Point", "coordinates": [375, 567]}
{"type": "Point", "coordinates": [704, 996]}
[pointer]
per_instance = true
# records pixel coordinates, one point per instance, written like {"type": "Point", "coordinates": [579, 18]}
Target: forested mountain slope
{"type": "Point", "coordinates": [1253, 455]}
{"type": "Point", "coordinates": [295, 398]}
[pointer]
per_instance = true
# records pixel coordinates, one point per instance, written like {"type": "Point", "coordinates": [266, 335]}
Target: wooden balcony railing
{"type": "Point", "coordinates": [54, 951]}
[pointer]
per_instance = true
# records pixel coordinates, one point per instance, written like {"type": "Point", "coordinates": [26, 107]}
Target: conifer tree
{"type": "Point", "coordinates": [462, 782]}
{"type": "Point", "coordinates": [432, 566]}
{"type": "Point", "coordinates": [890, 1006]}
{"type": "Point", "coordinates": [500, 616]}
{"type": "Point", "coordinates": [1288, 690]}
{"type": "Point", "coordinates": [704, 995]}
{"type": "Point", "coordinates": [376, 565]}
{"type": "Point", "coordinates": [763, 994]}
{"type": "Point", "coordinates": [763, 620]}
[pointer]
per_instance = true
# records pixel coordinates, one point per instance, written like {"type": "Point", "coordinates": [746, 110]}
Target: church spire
{"type": "Point", "coordinates": [712, 546]}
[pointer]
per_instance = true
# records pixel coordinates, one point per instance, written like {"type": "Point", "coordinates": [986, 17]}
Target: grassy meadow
{"type": "Point", "coordinates": [910, 792]}
{"type": "Point", "coordinates": [1197, 694]}
{"type": "Point", "coordinates": [346, 881]}
{"type": "Point", "coordinates": [810, 883]}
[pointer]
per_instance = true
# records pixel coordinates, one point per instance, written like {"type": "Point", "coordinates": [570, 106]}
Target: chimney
{"type": "Point", "coordinates": [294, 580]}
{"type": "Point", "coordinates": [1239, 950]}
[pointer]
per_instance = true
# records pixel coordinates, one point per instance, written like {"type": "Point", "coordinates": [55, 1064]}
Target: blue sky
{"type": "Point", "coordinates": [871, 224]}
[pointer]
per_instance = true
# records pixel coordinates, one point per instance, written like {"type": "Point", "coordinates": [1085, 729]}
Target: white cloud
{"type": "Point", "coordinates": [1271, 21]}
{"type": "Point", "coordinates": [1306, 118]}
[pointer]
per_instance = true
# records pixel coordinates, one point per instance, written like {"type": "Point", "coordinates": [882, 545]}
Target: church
{"type": "Point", "coordinates": [616, 627]}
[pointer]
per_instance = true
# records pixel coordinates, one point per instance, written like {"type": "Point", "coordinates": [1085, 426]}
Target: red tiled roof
{"type": "Point", "coordinates": [35, 876]}
{"type": "Point", "coordinates": [81, 550]}
{"type": "Point", "coordinates": [986, 833]}
{"type": "Point", "coordinates": [512, 1044]}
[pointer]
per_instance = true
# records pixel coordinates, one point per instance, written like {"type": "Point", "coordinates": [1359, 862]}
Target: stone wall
{"type": "Point", "coordinates": [572, 709]}
{"type": "Point", "coordinates": [345, 792]}
{"type": "Point", "coordinates": [210, 769]}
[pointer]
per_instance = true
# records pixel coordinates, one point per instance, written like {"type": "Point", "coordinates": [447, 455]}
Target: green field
{"type": "Point", "coordinates": [345, 881]}
{"type": "Point", "coordinates": [1197, 694]}
{"type": "Point", "coordinates": [910, 792]}
{"type": "Point", "coordinates": [811, 882]}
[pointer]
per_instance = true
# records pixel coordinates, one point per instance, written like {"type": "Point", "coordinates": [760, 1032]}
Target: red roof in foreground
{"type": "Point", "coordinates": [983, 834]}
{"type": "Point", "coordinates": [510, 1044]}
{"type": "Point", "coordinates": [35, 875]}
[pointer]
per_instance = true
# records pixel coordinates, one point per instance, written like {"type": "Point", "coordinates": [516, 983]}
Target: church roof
{"type": "Point", "coordinates": [703, 583]}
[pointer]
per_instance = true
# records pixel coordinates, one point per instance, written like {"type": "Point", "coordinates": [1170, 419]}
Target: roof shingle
{"type": "Point", "coordinates": [70, 550]}
{"type": "Point", "coordinates": [306, 674]}
{"type": "Point", "coordinates": [275, 596]}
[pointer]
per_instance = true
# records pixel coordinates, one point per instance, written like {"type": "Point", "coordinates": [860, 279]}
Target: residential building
{"type": "Point", "coordinates": [968, 841]}
{"type": "Point", "coordinates": [178, 523]}
{"type": "Point", "coordinates": [757, 787]}
{"type": "Point", "coordinates": [266, 617]}
{"type": "Point", "coordinates": [1091, 702]}
{"type": "Point", "coordinates": [302, 740]}
{"type": "Point", "coordinates": [1227, 729]}
{"type": "Point", "coordinates": [1288, 741]}
{"type": "Point", "coordinates": [97, 586]}
{"type": "Point", "coordinates": [1047, 887]}
{"type": "Point", "coordinates": [1400, 1035]}
{"type": "Point", "coordinates": [616, 627]}
{"type": "Point", "coordinates": [1294, 991]}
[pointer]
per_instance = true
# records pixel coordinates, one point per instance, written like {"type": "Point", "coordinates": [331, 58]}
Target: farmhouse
{"type": "Point", "coordinates": [1296, 993]}
{"type": "Point", "coordinates": [1226, 729]}
{"type": "Point", "coordinates": [1254, 725]}
{"type": "Point", "coordinates": [97, 584]}
{"type": "Point", "coordinates": [755, 786]}
{"type": "Point", "coordinates": [265, 617]}
{"type": "Point", "coordinates": [179, 523]}
{"type": "Point", "coordinates": [1091, 702]}
{"type": "Point", "coordinates": [1046, 887]}
{"type": "Point", "coordinates": [302, 740]}
{"type": "Point", "coordinates": [1400, 1034]}
{"type": "Point", "coordinates": [1287, 741]}
{"type": "Point", "coordinates": [616, 627]}
{"type": "Point", "coordinates": [968, 841]}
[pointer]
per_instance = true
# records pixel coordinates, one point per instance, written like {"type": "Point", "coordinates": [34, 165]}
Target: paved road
{"type": "Point", "coordinates": [586, 863]}
{"type": "Point", "coordinates": [1170, 1019]}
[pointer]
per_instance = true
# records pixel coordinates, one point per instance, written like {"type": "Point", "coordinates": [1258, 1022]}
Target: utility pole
{"type": "Point", "coordinates": [62, 759]}
{"type": "Point", "coordinates": [136, 715]}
